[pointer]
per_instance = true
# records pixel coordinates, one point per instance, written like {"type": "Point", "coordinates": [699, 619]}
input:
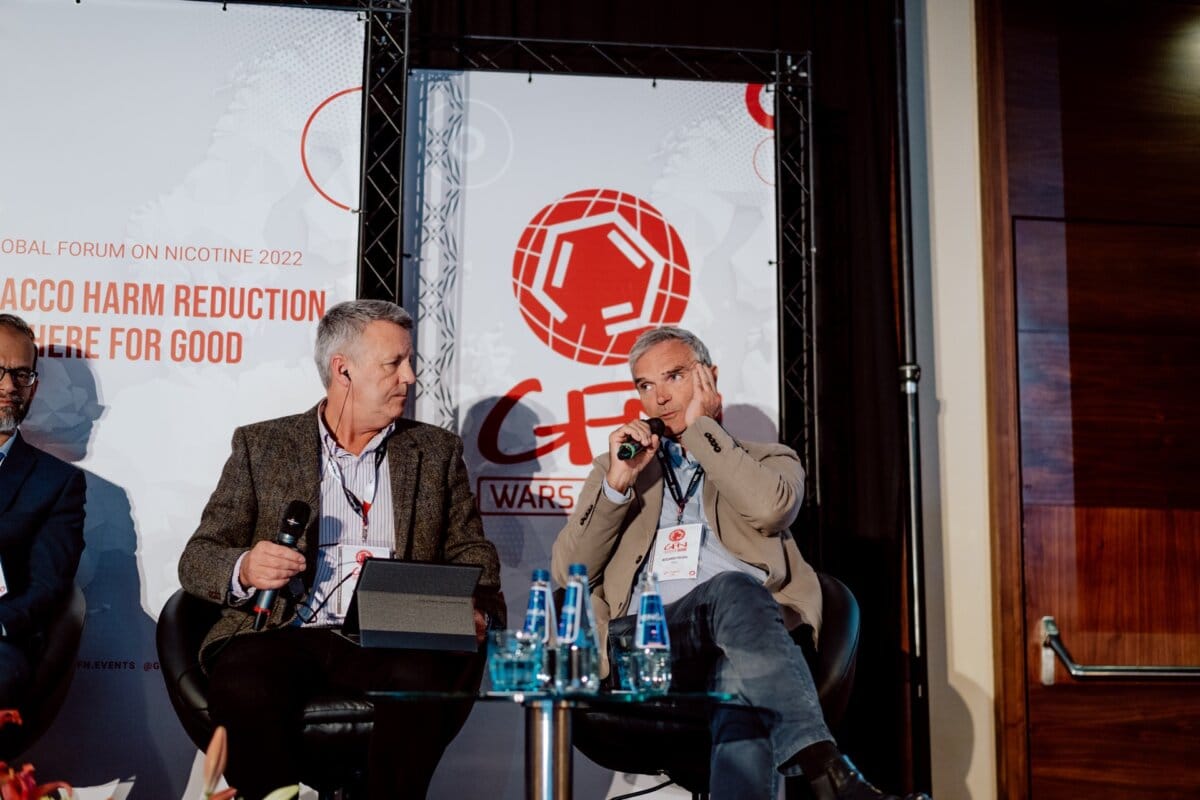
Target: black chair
{"type": "Point", "coordinates": [642, 741]}
{"type": "Point", "coordinates": [51, 676]}
{"type": "Point", "coordinates": [336, 729]}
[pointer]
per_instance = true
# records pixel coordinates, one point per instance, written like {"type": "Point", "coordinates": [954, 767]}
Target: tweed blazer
{"type": "Point", "coordinates": [277, 461]}
{"type": "Point", "coordinates": [41, 535]}
{"type": "Point", "coordinates": [752, 492]}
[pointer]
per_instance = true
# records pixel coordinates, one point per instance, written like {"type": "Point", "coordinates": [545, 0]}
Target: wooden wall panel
{"type": "Point", "coordinates": [1033, 107]}
{"type": "Point", "coordinates": [1104, 742]}
{"type": "Point", "coordinates": [1108, 336]}
{"type": "Point", "coordinates": [1090, 130]}
{"type": "Point", "coordinates": [1004, 488]}
{"type": "Point", "coordinates": [1124, 431]}
{"type": "Point", "coordinates": [1130, 112]}
{"type": "Point", "coordinates": [1121, 586]}
{"type": "Point", "coordinates": [1119, 582]}
{"type": "Point", "coordinates": [1103, 121]}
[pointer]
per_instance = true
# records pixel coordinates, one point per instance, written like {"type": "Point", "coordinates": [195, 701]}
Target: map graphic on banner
{"type": "Point", "coordinates": [175, 216]}
{"type": "Point", "coordinates": [553, 219]}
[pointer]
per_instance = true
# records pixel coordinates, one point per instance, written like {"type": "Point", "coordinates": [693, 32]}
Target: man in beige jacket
{"type": "Point", "coordinates": [709, 515]}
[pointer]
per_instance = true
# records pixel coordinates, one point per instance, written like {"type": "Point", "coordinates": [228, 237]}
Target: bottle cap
{"type": "Point", "coordinates": [577, 569]}
{"type": "Point", "coordinates": [541, 575]}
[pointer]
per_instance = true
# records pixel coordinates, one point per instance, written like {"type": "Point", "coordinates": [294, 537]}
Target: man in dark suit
{"type": "Point", "coordinates": [41, 519]}
{"type": "Point", "coordinates": [375, 481]}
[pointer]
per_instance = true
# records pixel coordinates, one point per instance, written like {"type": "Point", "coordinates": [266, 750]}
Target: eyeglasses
{"type": "Point", "coordinates": [20, 376]}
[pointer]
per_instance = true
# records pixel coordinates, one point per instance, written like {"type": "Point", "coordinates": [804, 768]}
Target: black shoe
{"type": "Point", "coordinates": [841, 780]}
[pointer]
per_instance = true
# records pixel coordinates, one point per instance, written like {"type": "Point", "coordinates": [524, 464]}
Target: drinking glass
{"type": "Point", "coordinates": [651, 669]}
{"type": "Point", "coordinates": [623, 670]}
{"type": "Point", "coordinates": [514, 660]}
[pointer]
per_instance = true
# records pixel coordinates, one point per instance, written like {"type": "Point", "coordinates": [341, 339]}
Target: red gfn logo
{"type": "Point", "coordinates": [676, 535]}
{"type": "Point", "coordinates": [596, 268]}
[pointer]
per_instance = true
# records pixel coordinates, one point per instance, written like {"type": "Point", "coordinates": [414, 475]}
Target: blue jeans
{"type": "Point", "coordinates": [727, 635]}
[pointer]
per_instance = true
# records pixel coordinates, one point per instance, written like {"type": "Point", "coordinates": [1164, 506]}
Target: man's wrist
{"type": "Point", "coordinates": [618, 496]}
{"type": "Point", "coordinates": [239, 592]}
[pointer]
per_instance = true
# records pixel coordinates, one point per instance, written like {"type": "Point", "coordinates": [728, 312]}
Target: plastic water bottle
{"type": "Point", "coordinates": [577, 669]}
{"type": "Point", "coordinates": [539, 621]}
{"type": "Point", "coordinates": [651, 642]}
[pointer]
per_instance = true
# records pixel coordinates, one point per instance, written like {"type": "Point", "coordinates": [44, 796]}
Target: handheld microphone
{"type": "Point", "coordinates": [295, 518]}
{"type": "Point", "coordinates": [628, 450]}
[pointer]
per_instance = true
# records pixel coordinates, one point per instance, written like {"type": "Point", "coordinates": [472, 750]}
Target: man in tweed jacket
{"type": "Point", "coordinates": [733, 608]}
{"type": "Point", "coordinates": [370, 477]}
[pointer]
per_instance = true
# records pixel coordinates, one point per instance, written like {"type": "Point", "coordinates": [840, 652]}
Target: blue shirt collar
{"type": "Point", "coordinates": [676, 456]}
{"type": "Point", "coordinates": [4, 448]}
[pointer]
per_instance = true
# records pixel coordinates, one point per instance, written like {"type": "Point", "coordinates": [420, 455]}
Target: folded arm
{"type": "Point", "coordinates": [766, 488]}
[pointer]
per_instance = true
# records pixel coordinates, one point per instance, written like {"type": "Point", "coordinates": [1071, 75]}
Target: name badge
{"type": "Point", "coordinates": [677, 551]}
{"type": "Point", "coordinates": [350, 559]}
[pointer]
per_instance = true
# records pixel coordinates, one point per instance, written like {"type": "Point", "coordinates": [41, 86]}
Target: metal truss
{"type": "Point", "coordinates": [385, 79]}
{"type": "Point", "coordinates": [385, 83]}
{"type": "Point", "coordinates": [389, 56]}
{"type": "Point", "coordinates": [789, 76]}
{"type": "Point", "coordinates": [797, 252]}
{"type": "Point", "coordinates": [575, 57]}
{"type": "Point", "coordinates": [434, 189]}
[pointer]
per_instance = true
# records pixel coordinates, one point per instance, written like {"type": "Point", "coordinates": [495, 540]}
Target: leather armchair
{"type": "Point", "coordinates": [336, 729]}
{"type": "Point", "coordinates": [52, 676]}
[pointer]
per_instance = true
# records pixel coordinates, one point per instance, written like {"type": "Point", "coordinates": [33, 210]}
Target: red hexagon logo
{"type": "Point", "coordinates": [594, 269]}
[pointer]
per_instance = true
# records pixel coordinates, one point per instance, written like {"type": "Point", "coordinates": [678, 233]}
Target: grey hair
{"type": "Point", "coordinates": [339, 329]}
{"type": "Point", "coordinates": [15, 323]}
{"type": "Point", "coordinates": [668, 333]}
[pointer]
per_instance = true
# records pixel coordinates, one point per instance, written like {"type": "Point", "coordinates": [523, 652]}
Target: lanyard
{"type": "Point", "coordinates": [680, 498]}
{"type": "Point", "coordinates": [360, 506]}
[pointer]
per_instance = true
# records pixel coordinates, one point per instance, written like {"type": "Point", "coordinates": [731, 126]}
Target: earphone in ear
{"type": "Point", "coordinates": [346, 373]}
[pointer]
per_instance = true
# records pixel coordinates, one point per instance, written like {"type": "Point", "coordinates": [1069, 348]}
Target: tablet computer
{"type": "Point", "coordinates": [413, 605]}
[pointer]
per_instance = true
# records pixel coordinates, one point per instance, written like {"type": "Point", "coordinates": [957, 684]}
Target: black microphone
{"type": "Point", "coordinates": [629, 449]}
{"type": "Point", "coordinates": [294, 520]}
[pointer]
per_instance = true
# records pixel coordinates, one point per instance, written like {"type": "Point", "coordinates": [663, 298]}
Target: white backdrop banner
{"type": "Point", "coordinates": [555, 218]}
{"type": "Point", "coordinates": [176, 186]}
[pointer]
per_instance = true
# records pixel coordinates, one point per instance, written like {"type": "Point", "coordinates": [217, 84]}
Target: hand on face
{"type": "Point", "coordinates": [706, 400]}
{"type": "Point", "coordinates": [675, 387]}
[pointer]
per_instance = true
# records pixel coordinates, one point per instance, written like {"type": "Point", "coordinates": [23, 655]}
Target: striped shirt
{"type": "Point", "coordinates": [365, 477]}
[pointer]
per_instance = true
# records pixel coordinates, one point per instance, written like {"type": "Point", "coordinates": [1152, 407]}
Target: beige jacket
{"type": "Point", "coordinates": [752, 492]}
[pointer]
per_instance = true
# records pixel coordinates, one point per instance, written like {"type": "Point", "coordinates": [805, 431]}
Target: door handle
{"type": "Point", "coordinates": [1052, 645]}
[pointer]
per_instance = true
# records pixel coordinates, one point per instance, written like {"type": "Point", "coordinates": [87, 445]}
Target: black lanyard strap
{"type": "Point", "coordinates": [681, 498]}
{"type": "Point", "coordinates": [361, 507]}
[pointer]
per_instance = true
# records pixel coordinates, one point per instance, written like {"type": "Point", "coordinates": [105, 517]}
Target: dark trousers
{"type": "Point", "coordinates": [17, 661]}
{"type": "Point", "coordinates": [15, 674]}
{"type": "Point", "coordinates": [259, 684]}
{"type": "Point", "coordinates": [728, 635]}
